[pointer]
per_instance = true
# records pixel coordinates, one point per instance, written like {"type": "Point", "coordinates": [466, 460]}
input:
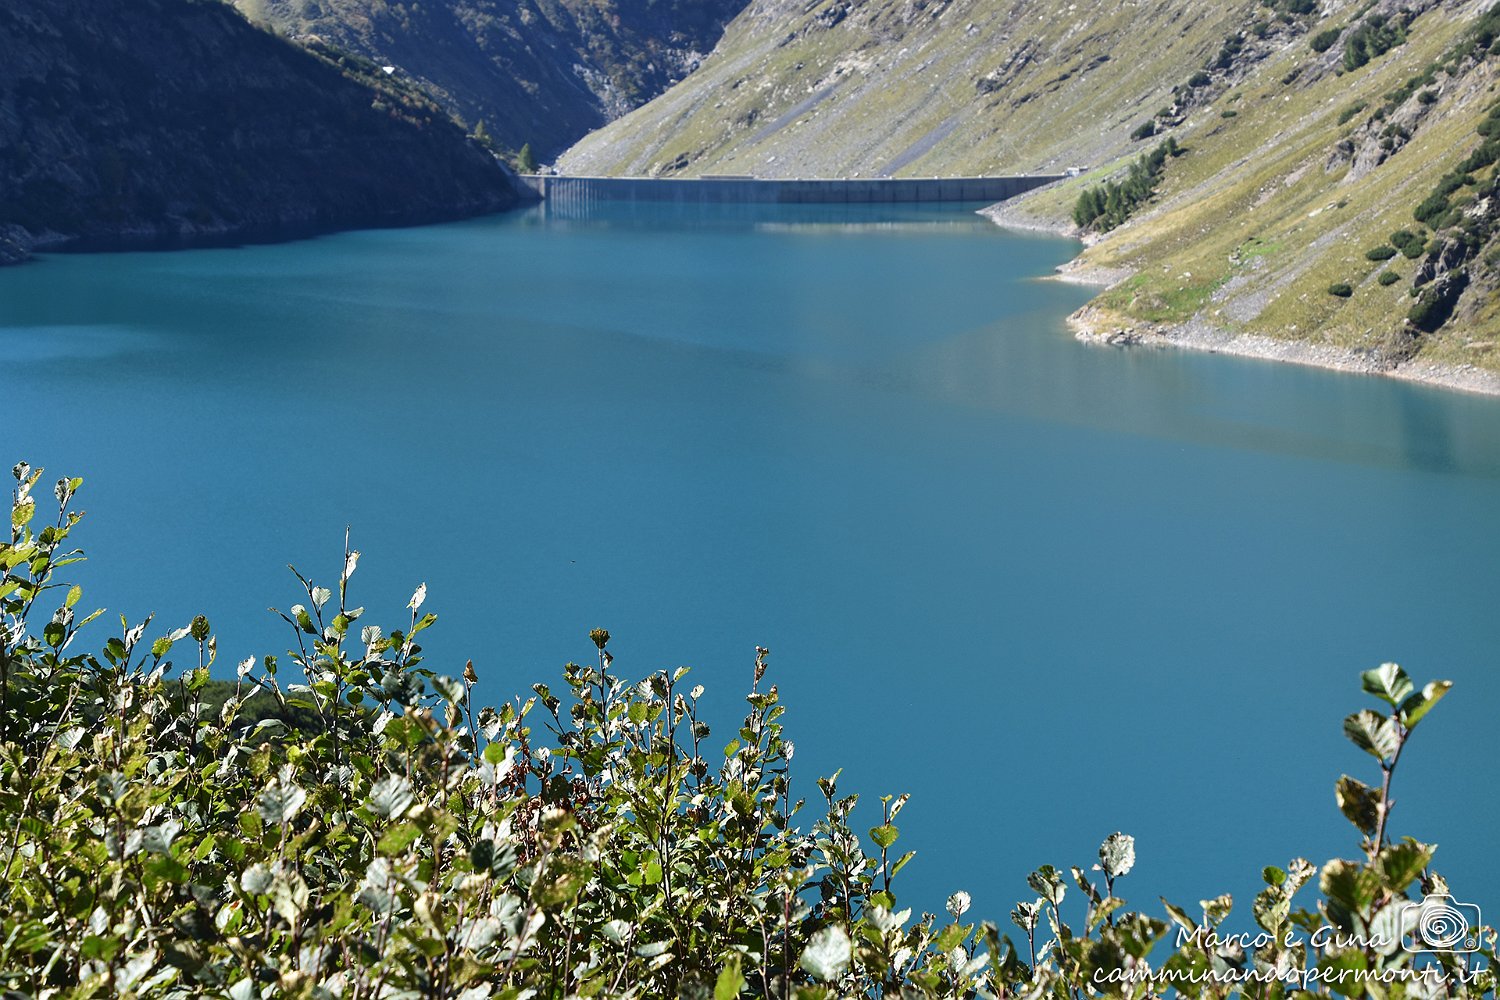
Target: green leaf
{"type": "Point", "coordinates": [1179, 916]}
{"type": "Point", "coordinates": [950, 937]}
{"type": "Point", "coordinates": [391, 796]}
{"type": "Point", "coordinates": [397, 839]}
{"type": "Point", "coordinates": [1388, 682]}
{"type": "Point", "coordinates": [451, 688]}
{"type": "Point", "coordinates": [1048, 884]}
{"type": "Point", "coordinates": [1418, 705]}
{"type": "Point", "coordinates": [561, 881]}
{"type": "Point", "coordinates": [1376, 735]}
{"type": "Point", "coordinates": [256, 880]}
{"type": "Point", "coordinates": [280, 803]}
{"type": "Point", "coordinates": [1341, 972]}
{"type": "Point", "coordinates": [1400, 864]}
{"type": "Point", "coordinates": [21, 513]}
{"type": "Point", "coordinates": [827, 954]}
{"type": "Point", "coordinates": [1350, 884]}
{"type": "Point", "coordinates": [1272, 907]}
{"type": "Point", "coordinates": [884, 835]}
{"type": "Point", "coordinates": [74, 594]}
{"type": "Point", "coordinates": [98, 948]}
{"type": "Point", "coordinates": [730, 980]}
{"type": "Point", "coordinates": [1359, 803]}
{"type": "Point", "coordinates": [1273, 875]}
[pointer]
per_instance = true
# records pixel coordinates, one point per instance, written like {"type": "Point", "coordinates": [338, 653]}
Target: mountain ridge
{"type": "Point", "coordinates": [541, 73]}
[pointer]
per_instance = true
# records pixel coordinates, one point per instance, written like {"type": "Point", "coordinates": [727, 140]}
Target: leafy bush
{"type": "Point", "coordinates": [1229, 113]}
{"type": "Point", "coordinates": [406, 844]}
{"type": "Point", "coordinates": [1340, 289]}
{"type": "Point", "coordinates": [1145, 130]}
{"type": "Point", "coordinates": [1409, 243]}
{"type": "Point", "coordinates": [1427, 96]}
{"type": "Point", "coordinates": [1380, 253]}
{"type": "Point", "coordinates": [1198, 79]}
{"type": "Point", "coordinates": [1388, 278]}
{"type": "Point", "coordinates": [1323, 40]}
{"type": "Point", "coordinates": [1374, 37]}
{"type": "Point", "coordinates": [1433, 210]}
{"type": "Point", "coordinates": [1232, 47]}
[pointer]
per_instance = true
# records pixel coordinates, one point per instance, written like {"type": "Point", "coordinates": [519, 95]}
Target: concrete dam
{"type": "Point", "coordinates": [574, 194]}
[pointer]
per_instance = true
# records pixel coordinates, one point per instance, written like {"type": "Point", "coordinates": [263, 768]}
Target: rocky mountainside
{"type": "Point", "coordinates": [919, 88]}
{"type": "Point", "coordinates": [1338, 204]}
{"type": "Point", "coordinates": [154, 122]}
{"type": "Point", "coordinates": [541, 73]}
{"type": "Point", "coordinates": [1323, 186]}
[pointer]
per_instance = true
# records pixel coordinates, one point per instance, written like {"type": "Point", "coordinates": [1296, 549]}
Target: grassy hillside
{"type": "Point", "coordinates": [534, 72]}
{"type": "Point", "coordinates": [918, 88]}
{"type": "Point", "coordinates": [1308, 136]}
{"type": "Point", "coordinates": [1280, 221]}
{"type": "Point", "coordinates": [125, 122]}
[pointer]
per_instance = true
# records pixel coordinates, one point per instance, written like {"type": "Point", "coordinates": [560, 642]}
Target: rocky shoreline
{"type": "Point", "coordinates": [1094, 325]}
{"type": "Point", "coordinates": [1098, 326]}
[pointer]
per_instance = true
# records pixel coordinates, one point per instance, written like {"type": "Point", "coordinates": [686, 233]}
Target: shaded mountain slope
{"type": "Point", "coordinates": [134, 122]}
{"type": "Point", "coordinates": [537, 72]}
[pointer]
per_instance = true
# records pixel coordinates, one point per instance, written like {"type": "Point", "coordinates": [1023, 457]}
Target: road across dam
{"type": "Point", "coordinates": [573, 193]}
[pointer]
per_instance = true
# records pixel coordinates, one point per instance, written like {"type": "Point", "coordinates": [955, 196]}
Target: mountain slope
{"type": "Point", "coordinates": [537, 72]}
{"type": "Point", "coordinates": [918, 87]}
{"type": "Point", "coordinates": [129, 122]}
{"type": "Point", "coordinates": [1304, 210]}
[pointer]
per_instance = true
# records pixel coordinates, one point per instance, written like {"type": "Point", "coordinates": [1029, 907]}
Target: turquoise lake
{"type": "Point", "coordinates": [1051, 590]}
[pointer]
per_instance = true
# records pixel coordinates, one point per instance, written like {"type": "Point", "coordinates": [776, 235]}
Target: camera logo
{"type": "Point", "coordinates": [1440, 923]}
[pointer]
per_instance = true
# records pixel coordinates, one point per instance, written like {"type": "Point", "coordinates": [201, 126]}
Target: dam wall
{"type": "Point", "coordinates": [565, 192]}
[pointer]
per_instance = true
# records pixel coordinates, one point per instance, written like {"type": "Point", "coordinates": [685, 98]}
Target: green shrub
{"type": "Point", "coordinates": [1198, 79]}
{"type": "Point", "coordinates": [1380, 253]}
{"type": "Point", "coordinates": [1232, 47]}
{"type": "Point", "coordinates": [1409, 243]}
{"type": "Point", "coordinates": [1145, 130]}
{"type": "Point", "coordinates": [596, 842]}
{"type": "Point", "coordinates": [1427, 97]}
{"type": "Point", "coordinates": [1351, 111]}
{"type": "Point", "coordinates": [1323, 40]}
{"type": "Point", "coordinates": [1374, 37]}
{"type": "Point", "coordinates": [1108, 205]}
{"type": "Point", "coordinates": [1432, 210]}
{"type": "Point", "coordinates": [1341, 290]}
{"type": "Point", "coordinates": [1228, 113]}
{"type": "Point", "coordinates": [1388, 278]}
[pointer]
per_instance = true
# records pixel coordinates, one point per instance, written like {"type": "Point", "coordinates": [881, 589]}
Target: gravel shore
{"type": "Point", "coordinates": [1097, 326]}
